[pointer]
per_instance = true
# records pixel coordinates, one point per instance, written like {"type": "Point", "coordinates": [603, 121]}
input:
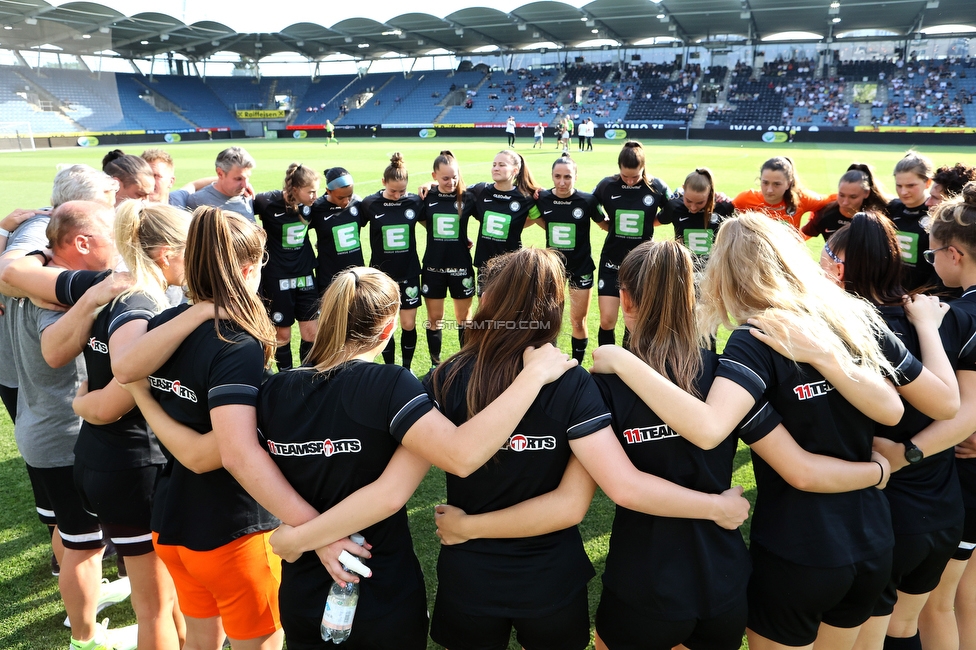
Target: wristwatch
{"type": "Point", "coordinates": [912, 453]}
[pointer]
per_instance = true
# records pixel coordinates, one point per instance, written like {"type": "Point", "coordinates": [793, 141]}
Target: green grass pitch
{"type": "Point", "coordinates": [30, 607]}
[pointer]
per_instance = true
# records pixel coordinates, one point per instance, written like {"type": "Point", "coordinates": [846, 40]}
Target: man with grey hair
{"type": "Point", "coordinates": [234, 166]}
{"type": "Point", "coordinates": [73, 183]}
{"type": "Point", "coordinates": [49, 371]}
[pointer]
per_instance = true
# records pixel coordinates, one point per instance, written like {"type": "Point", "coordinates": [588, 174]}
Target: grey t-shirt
{"type": "Point", "coordinates": [210, 196]}
{"type": "Point", "coordinates": [46, 427]}
{"type": "Point", "coordinates": [29, 236]}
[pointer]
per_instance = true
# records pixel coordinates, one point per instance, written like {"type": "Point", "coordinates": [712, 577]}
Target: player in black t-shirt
{"type": "Point", "coordinates": [447, 258]}
{"type": "Point", "coordinates": [503, 207]}
{"type": "Point", "coordinates": [512, 555]}
{"type": "Point", "coordinates": [210, 529]}
{"type": "Point", "coordinates": [392, 217]}
{"type": "Point", "coordinates": [566, 214]}
{"type": "Point", "coordinates": [909, 212]}
{"type": "Point", "coordinates": [696, 214]}
{"type": "Point", "coordinates": [838, 546]}
{"type": "Point", "coordinates": [355, 439]}
{"type": "Point", "coordinates": [633, 201]}
{"type": "Point", "coordinates": [287, 284]}
{"type": "Point", "coordinates": [924, 495]}
{"type": "Point", "coordinates": [857, 191]}
{"type": "Point", "coordinates": [952, 236]}
{"type": "Point", "coordinates": [337, 222]}
{"type": "Point", "coordinates": [675, 581]}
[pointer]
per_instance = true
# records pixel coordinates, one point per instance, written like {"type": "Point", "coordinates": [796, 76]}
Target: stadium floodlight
{"type": "Point", "coordinates": [147, 43]}
{"type": "Point", "coordinates": [835, 5]}
{"type": "Point", "coordinates": [932, 4]}
{"type": "Point", "coordinates": [459, 31]}
{"type": "Point", "coordinates": [594, 31]}
{"type": "Point", "coordinates": [104, 30]}
{"type": "Point", "coordinates": [164, 37]}
{"type": "Point", "coordinates": [348, 39]}
{"type": "Point", "coordinates": [835, 20]}
{"type": "Point", "coordinates": [86, 35]}
{"type": "Point", "coordinates": [30, 20]}
{"type": "Point", "coordinates": [8, 26]}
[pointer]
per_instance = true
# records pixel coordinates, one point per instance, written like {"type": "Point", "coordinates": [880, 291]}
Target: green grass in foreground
{"type": "Point", "coordinates": [30, 608]}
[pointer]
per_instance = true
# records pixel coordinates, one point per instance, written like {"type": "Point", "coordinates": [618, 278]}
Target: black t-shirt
{"type": "Point", "coordinates": [331, 434]}
{"type": "Point", "coordinates": [72, 285]}
{"type": "Point", "coordinates": [127, 442]}
{"type": "Point", "coordinates": [205, 511]}
{"type": "Point", "coordinates": [925, 497]}
{"type": "Point", "coordinates": [392, 234]}
{"type": "Point", "coordinates": [670, 568]}
{"type": "Point", "coordinates": [826, 222]}
{"type": "Point", "coordinates": [632, 211]}
{"type": "Point", "coordinates": [966, 467]}
{"type": "Point", "coordinates": [913, 239]}
{"type": "Point", "coordinates": [824, 530]}
{"type": "Point", "coordinates": [447, 232]}
{"type": "Point", "coordinates": [528, 576]}
{"type": "Point", "coordinates": [502, 216]}
{"type": "Point", "coordinates": [696, 230]}
{"type": "Point", "coordinates": [338, 243]}
{"type": "Point", "coordinates": [290, 253]}
{"type": "Point", "coordinates": [568, 227]}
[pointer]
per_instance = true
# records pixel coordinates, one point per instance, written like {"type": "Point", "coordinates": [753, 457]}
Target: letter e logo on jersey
{"type": "Point", "coordinates": [628, 223]}
{"type": "Point", "coordinates": [346, 237]}
{"type": "Point", "coordinates": [446, 226]}
{"type": "Point", "coordinates": [562, 235]}
{"type": "Point", "coordinates": [396, 238]}
{"type": "Point", "coordinates": [519, 443]}
{"type": "Point", "coordinates": [699, 241]}
{"type": "Point", "coordinates": [496, 225]}
{"type": "Point", "coordinates": [293, 235]}
{"type": "Point", "coordinates": [908, 245]}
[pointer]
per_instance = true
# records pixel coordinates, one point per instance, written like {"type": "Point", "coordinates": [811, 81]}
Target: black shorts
{"type": "Point", "coordinates": [122, 502]}
{"type": "Point", "coordinates": [409, 292]}
{"type": "Point", "coordinates": [404, 627]}
{"type": "Point", "coordinates": [607, 281]}
{"type": "Point", "coordinates": [917, 565]}
{"type": "Point", "coordinates": [436, 285]}
{"type": "Point", "coordinates": [968, 543]}
{"type": "Point", "coordinates": [565, 629]}
{"type": "Point", "coordinates": [579, 280]}
{"type": "Point", "coordinates": [55, 496]}
{"type": "Point", "coordinates": [291, 299]}
{"type": "Point", "coordinates": [787, 601]}
{"type": "Point", "coordinates": [622, 626]}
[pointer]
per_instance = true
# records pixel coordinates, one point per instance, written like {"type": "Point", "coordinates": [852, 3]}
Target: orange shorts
{"type": "Point", "coordinates": [238, 582]}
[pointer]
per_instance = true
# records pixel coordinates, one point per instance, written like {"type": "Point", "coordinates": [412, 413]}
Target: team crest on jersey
{"type": "Point", "coordinates": [174, 387]}
{"type": "Point", "coordinates": [325, 447]}
{"type": "Point", "coordinates": [97, 346]}
{"type": "Point", "coordinates": [409, 214]}
{"type": "Point", "coordinates": [519, 442]}
{"type": "Point", "coordinates": [515, 205]}
{"type": "Point", "coordinates": [577, 213]}
{"type": "Point", "coordinates": [648, 200]}
{"type": "Point", "coordinates": [815, 389]}
{"type": "Point", "coordinates": [354, 211]}
{"type": "Point", "coordinates": [924, 222]}
{"type": "Point", "coordinates": [648, 434]}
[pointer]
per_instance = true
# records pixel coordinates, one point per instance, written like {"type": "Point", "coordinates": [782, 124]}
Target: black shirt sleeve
{"type": "Point", "coordinates": [907, 366]}
{"type": "Point", "coordinates": [72, 285]}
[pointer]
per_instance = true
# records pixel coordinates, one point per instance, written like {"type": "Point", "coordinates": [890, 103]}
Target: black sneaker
{"type": "Point", "coordinates": [55, 567]}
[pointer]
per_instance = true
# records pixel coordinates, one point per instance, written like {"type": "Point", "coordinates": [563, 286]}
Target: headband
{"type": "Point", "coordinates": [342, 181]}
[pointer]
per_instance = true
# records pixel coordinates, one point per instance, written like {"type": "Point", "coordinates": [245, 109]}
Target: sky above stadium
{"type": "Point", "coordinates": [275, 15]}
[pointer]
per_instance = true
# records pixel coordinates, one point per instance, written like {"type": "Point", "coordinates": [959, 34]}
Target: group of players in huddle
{"type": "Point", "coordinates": [855, 391]}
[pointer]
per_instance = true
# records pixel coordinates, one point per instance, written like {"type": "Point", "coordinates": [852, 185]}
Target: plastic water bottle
{"type": "Point", "coordinates": [340, 606]}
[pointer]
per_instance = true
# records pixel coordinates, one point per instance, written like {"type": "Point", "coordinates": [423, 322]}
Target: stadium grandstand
{"type": "Point", "coordinates": [127, 70]}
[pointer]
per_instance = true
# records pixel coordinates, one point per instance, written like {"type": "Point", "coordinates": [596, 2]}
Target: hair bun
{"type": "Point", "coordinates": [969, 194]}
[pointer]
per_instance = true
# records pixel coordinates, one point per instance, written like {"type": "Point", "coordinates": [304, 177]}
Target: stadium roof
{"type": "Point", "coordinates": [138, 29]}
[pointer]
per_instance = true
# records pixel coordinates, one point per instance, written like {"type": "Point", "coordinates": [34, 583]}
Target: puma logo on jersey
{"type": "Point", "coordinates": [648, 434]}
{"type": "Point", "coordinates": [519, 442]}
{"type": "Point", "coordinates": [809, 391]}
{"type": "Point", "coordinates": [174, 387]}
{"type": "Point", "coordinates": [97, 345]}
{"type": "Point", "coordinates": [325, 447]}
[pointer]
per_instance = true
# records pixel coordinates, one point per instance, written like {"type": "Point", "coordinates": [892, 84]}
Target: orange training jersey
{"type": "Point", "coordinates": [807, 201]}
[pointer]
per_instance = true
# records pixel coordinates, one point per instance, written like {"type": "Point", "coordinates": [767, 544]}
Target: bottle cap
{"type": "Point", "coordinates": [353, 563]}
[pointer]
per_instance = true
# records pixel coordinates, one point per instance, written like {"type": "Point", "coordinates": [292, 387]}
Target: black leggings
{"type": "Point", "coordinates": [511, 139]}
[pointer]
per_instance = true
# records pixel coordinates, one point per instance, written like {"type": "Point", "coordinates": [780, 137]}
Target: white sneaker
{"type": "Point", "coordinates": [111, 593]}
{"type": "Point", "coordinates": [123, 638]}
